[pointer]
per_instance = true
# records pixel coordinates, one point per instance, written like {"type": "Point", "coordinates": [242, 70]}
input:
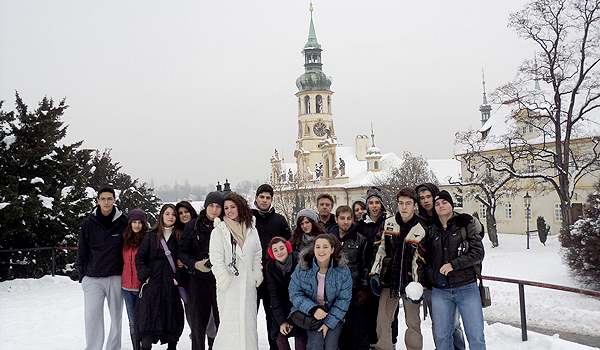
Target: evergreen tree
{"type": "Point", "coordinates": [582, 246]}
{"type": "Point", "coordinates": [131, 194]}
{"type": "Point", "coordinates": [42, 186]}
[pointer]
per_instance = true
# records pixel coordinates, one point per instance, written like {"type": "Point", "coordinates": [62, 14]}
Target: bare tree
{"type": "Point", "coordinates": [558, 151]}
{"type": "Point", "coordinates": [292, 196]}
{"type": "Point", "coordinates": [413, 171]}
{"type": "Point", "coordinates": [485, 185]}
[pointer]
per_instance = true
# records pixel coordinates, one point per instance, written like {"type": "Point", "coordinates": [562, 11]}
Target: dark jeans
{"type": "Point", "coordinates": [330, 342]}
{"type": "Point", "coordinates": [202, 301]}
{"type": "Point", "coordinates": [130, 299]}
{"type": "Point", "coordinates": [284, 344]}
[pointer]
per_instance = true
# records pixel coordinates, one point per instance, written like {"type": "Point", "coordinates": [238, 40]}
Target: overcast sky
{"type": "Point", "coordinates": [204, 90]}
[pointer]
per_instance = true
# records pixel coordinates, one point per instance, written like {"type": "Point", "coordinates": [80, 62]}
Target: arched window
{"type": "Point", "coordinates": [329, 104]}
{"type": "Point", "coordinates": [319, 102]}
{"type": "Point", "coordinates": [307, 104]}
{"type": "Point", "coordinates": [299, 106]}
{"type": "Point", "coordinates": [376, 165]}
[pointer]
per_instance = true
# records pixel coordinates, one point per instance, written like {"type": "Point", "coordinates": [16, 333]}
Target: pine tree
{"type": "Point", "coordinates": [42, 185]}
{"type": "Point", "coordinates": [582, 246]}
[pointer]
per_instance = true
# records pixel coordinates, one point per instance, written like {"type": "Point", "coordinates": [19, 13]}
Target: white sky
{"type": "Point", "coordinates": [204, 90]}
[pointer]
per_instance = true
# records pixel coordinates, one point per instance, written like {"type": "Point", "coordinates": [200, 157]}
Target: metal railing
{"type": "Point", "coordinates": [53, 249]}
{"type": "Point", "coordinates": [522, 283]}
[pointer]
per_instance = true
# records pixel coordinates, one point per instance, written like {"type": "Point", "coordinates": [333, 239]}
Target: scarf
{"type": "Point", "coordinates": [306, 239]}
{"type": "Point", "coordinates": [237, 229]}
{"type": "Point", "coordinates": [285, 266]}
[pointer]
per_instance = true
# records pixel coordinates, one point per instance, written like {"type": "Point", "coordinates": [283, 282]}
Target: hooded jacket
{"type": "Point", "coordinates": [269, 224]}
{"type": "Point", "coordinates": [100, 249]}
{"type": "Point", "coordinates": [425, 218]}
{"type": "Point", "coordinates": [338, 287]}
{"type": "Point", "coordinates": [442, 246]}
{"type": "Point", "coordinates": [193, 246]}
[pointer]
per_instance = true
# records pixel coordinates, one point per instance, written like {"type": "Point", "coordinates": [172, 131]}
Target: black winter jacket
{"type": "Point", "coordinates": [441, 246]}
{"type": "Point", "coordinates": [355, 246]}
{"type": "Point", "coordinates": [100, 251]}
{"type": "Point", "coordinates": [158, 311]}
{"type": "Point", "coordinates": [278, 284]}
{"type": "Point", "coordinates": [372, 231]}
{"type": "Point", "coordinates": [194, 243]}
{"type": "Point", "coordinates": [269, 224]}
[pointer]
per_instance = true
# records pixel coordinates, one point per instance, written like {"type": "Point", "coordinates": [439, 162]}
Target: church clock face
{"type": "Point", "coordinates": [319, 128]}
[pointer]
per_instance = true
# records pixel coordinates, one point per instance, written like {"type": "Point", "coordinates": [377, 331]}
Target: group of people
{"type": "Point", "coordinates": [336, 281]}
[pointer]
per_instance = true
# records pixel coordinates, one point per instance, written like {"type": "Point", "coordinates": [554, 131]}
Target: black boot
{"type": "Point", "coordinates": [211, 341]}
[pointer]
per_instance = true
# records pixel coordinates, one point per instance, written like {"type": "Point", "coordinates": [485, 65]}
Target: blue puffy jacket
{"type": "Point", "coordinates": [338, 287]}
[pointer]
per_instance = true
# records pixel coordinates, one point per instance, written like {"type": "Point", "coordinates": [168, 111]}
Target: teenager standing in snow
{"type": "Point", "coordinates": [132, 238]}
{"type": "Point", "coordinates": [321, 286]}
{"type": "Point", "coordinates": [159, 312]}
{"type": "Point", "coordinates": [100, 265]}
{"type": "Point", "coordinates": [193, 252]}
{"type": "Point", "coordinates": [447, 261]}
{"type": "Point", "coordinates": [279, 272]}
{"type": "Point", "coordinates": [235, 254]}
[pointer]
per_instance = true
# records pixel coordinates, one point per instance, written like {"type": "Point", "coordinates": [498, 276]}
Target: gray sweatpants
{"type": "Point", "coordinates": [95, 289]}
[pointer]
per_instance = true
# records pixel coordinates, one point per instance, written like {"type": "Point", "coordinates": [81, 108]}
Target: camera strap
{"type": "Point", "coordinates": [233, 245]}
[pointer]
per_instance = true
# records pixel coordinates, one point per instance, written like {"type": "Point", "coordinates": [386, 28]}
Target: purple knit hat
{"type": "Point", "coordinates": [137, 214]}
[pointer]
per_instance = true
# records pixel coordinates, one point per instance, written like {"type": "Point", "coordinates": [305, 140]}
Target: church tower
{"type": "Point", "coordinates": [484, 108]}
{"type": "Point", "coordinates": [316, 144]}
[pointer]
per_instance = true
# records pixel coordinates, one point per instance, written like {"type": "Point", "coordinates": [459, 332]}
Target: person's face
{"type": "Point", "coordinates": [212, 211]}
{"type": "Point", "coordinates": [106, 201]}
{"type": "Point", "coordinates": [406, 208]}
{"type": "Point", "coordinates": [324, 206]}
{"type": "Point", "coordinates": [374, 207]}
{"type": "Point", "coordinates": [280, 251]}
{"type": "Point", "coordinates": [264, 200]}
{"type": "Point", "coordinates": [443, 207]}
{"type": "Point", "coordinates": [169, 217]}
{"type": "Point", "coordinates": [323, 250]}
{"type": "Point", "coordinates": [136, 226]}
{"type": "Point", "coordinates": [344, 221]}
{"type": "Point", "coordinates": [426, 200]}
{"type": "Point", "coordinates": [359, 210]}
{"type": "Point", "coordinates": [306, 225]}
{"type": "Point", "coordinates": [184, 215]}
{"type": "Point", "coordinates": [231, 210]}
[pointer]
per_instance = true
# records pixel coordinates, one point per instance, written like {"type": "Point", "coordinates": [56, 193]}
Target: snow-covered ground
{"type": "Point", "coordinates": [47, 313]}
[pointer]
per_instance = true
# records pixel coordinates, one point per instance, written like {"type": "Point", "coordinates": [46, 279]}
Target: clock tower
{"type": "Point", "coordinates": [316, 143]}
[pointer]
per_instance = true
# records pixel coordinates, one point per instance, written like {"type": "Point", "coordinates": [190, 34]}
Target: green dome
{"type": "Point", "coordinates": [313, 81]}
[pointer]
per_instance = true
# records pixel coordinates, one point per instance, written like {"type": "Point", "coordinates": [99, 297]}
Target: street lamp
{"type": "Point", "coordinates": [527, 199]}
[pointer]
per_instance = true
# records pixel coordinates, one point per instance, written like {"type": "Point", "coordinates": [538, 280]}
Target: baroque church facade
{"type": "Point", "coordinates": [320, 162]}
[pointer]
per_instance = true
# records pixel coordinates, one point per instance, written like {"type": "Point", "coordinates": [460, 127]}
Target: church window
{"type": "Point", "coordinates": [307, 104]}
{"type": "Point", "coordinates": [376, 165]}
{"type": "Point", "coordinates": [307, 130]}
{"type": "Point", "coordinates": [329, 104]}
{"type": "Point", "coordinates": [482, 211]}
{"type": "Point", "coordinates": [299, 106]}
{"type": "Point", "coordinates": [319, 101]}
{"type": "Point", "coordinates": [508, 211]}
{"type": "Point", "coordinates": [557, 213]}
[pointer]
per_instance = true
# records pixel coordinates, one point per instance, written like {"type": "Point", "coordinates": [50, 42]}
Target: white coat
{"type": "Point", "coordinates": [236, 295]}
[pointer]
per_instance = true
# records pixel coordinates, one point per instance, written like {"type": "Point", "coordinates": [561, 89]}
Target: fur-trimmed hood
{"type": "Point", "coordinates": [306, 258]}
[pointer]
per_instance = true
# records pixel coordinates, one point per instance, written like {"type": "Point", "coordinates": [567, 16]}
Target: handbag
{"type": "Point", "coordinates": [304, 321]}
{"type": "Point", "coordinates": [182, 291]}
{"type": "Point", "coordinates": [484, 291]}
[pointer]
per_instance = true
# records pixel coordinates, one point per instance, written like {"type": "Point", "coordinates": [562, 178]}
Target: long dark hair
{"type": "Point", "coordinates": [245, 215]}
{"type": "Point", "coordinates": [159, 227]}
{"type": "Point", "coordinates": [188, 206]}
{"type": "Point", "coordinates": [297, 235]}
{"type": "Point", "coordinates": [132, 239]}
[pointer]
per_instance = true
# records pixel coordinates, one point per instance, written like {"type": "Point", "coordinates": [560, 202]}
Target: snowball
{"type": "Point", "coordinates": [414, 291]}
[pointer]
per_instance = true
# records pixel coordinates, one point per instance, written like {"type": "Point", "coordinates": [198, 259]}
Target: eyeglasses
{"type": "Point", "coordinates": [405, 204]}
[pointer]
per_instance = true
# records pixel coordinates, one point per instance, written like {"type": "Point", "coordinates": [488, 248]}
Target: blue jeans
{"type": "Point", "coordinates": [316, 341]}
{"type": "Point", "coordinates": [458, 338]}
{"type": "Point", "coordinates": [444, 303]}
{"type": "Point", "coordinates": [130, 299]}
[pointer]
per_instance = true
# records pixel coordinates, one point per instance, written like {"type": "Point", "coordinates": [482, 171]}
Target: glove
{"type": "Point", "coordinates": [375, 284]}
{"type": "Point", "coordinates": [414, 292]}
{"type": "Point", "coordinates": [202, 265]}
{"type": "Point", "coordinates": [361, 297]}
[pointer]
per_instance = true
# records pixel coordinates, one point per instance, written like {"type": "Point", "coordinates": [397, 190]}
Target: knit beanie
{"type": "Point", "coordinates": [214, 197]}
{"type": "Point", "coordinates": [359, 200]}
{"type": "Point", "coordinates": [137, 214]}
{"type": "Point", "coordinates": [309, 213]}
{"type": "Point", "coordinates": [444, 195]}
{"type": "Point", "coordinates": [375, 192]}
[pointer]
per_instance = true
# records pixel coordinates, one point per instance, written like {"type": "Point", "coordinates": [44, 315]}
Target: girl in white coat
{"type": "Point", "coordinates": [235, 254]}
